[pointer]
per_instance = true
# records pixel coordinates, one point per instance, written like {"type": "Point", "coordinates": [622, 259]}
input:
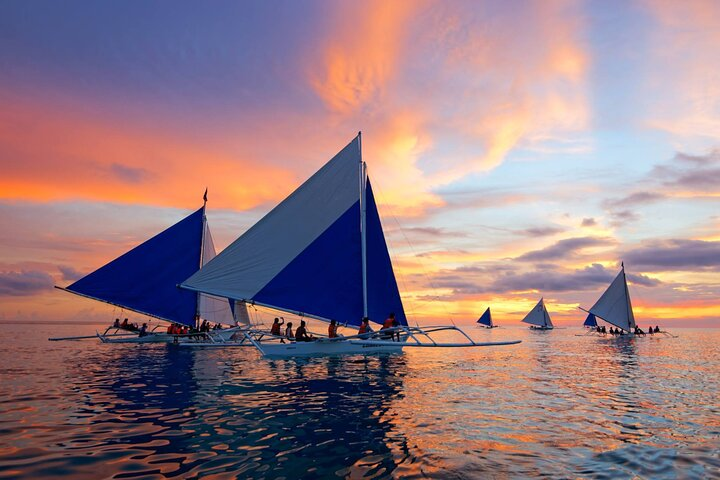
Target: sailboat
{"type": "Point", "coordinates": [320, 254]}
{"type": "Point", "coordinates": [486, 320]}
{"type": "Point", "coordinates": [590, 321]}
{"type": "Point", "coordinates": [144, 280]}
{"type": "Point", "coordinates": [538, 317]}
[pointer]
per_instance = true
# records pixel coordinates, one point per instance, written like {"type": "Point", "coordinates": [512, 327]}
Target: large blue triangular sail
{"type": "Point", "coordinates": [486, 318]}
{"type": "Point", "coordinates": [145, 279]}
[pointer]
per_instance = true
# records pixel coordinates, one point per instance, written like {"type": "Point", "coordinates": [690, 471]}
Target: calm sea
{"type": "Point", "coordinates": [557, 405]}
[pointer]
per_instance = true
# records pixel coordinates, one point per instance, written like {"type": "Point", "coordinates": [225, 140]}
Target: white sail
{"type": "Point", "coordinates": [614, 305]}
{"type": "Point", "coordinates": [262, 252]}
{"type": "Point", "coordinates": [211, 308]}
{"type": "Point", "coordinates": [538, 316]}
{"type": "Point", "coordinates": [241, 313]}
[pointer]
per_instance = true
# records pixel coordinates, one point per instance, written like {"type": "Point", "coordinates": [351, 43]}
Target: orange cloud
{"type": "Point", "coordinates": [54, 154]}
{"type": "Point", "coordinates": [362, 52]}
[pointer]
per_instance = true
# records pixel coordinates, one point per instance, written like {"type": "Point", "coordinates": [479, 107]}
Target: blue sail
{"type": "Point", "coordinates": [383, 296]}
{"type": "Point", "coordinates": [325, 279]}
{"type": "Point", "coordinates": [590, 321]}
{"type": "Point", "coordinates": [486, 318]}
{"type": "Point", "coordinates": [145, 279]}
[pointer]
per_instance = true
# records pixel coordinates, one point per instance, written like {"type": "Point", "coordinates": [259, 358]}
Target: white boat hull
{"type": "Point", "coordinates": [345, 347]}
{"type": "Point", "coordinates": [217, 335]}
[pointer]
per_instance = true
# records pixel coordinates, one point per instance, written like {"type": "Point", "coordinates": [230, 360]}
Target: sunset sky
{"type": "Point", "coordinates": [516, 149]}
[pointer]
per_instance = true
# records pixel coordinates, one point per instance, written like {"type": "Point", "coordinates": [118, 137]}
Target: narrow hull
{"type": "Point", "coordinates": [533, 327]}
{"type": "Point", "coordinates": [488, 326]}
{"type": "Point", "coordinates": [348, 347]}
{"type": "Point", "coordinates": [217, 335]}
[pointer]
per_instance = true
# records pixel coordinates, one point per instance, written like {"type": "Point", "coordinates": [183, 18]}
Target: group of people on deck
{"type": "Point", "coordinates": [301, 334]}
{"type": "Point", "coordinates": [618, 331]}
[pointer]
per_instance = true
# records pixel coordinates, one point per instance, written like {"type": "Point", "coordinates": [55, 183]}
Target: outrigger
{"type": "Point", "coordinates": [320, 254]}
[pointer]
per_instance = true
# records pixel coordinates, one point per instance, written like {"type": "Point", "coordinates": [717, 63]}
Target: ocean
{"type": "Point", "coordinates": [557, 406]}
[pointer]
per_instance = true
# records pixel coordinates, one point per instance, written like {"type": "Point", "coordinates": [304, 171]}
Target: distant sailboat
{"type": "Point", "coordinates": [538, 317]}
{"type": "Point", "coordinates": [614, 305]}
{"type": "Point", "coordinates": [320, 254]}
{"type": "Point", "coordinates": [144, 280]}
{"type": "Point", "coordinates": [590, 321]}
{"type": "Point", "coordinates": [486, 320]}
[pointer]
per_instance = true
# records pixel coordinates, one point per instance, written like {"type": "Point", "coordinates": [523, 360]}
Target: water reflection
{"type": "Point", "coordinates": [321, 416]}
{"type": "Point", "coordinates": [556, 405]}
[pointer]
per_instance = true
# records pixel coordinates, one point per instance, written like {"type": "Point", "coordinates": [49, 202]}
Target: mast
{"type": "Point", "coordinates": [202, 258]}
{"type": "Point", "coordinates": [363, 224]}
{"type": "Point", "coordinates": [627, 294]}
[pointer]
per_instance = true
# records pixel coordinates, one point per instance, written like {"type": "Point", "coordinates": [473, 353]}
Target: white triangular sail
{"type": "Point", "coordinates": [614, 305]}
{"type": "Point", "coordinates": [211, 308]}
{"type": "Point", "coordinates": [538, 316]}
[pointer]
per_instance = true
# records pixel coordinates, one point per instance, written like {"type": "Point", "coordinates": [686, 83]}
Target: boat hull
{"type": "Point", "coordinates": [540, 328]}
{"type": "Point", "coordinates": [217, 335]}
{"type": "Point", "coordinates": [348, 347]}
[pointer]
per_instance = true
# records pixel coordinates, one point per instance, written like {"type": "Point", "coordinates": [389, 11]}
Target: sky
{"type": "Point", "coordinates": [517, 149]}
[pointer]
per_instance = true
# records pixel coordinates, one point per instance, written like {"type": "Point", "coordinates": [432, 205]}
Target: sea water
{"type": "Point", "coordinates": [558, 405]}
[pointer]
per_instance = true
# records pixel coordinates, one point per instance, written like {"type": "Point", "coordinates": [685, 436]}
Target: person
{"type": "Point", "coordinates": [289, 332]}
{"type": "Point", "coordinates": [301, 334]}
{"type": "Point", "coordinates": [364, 326]}
{"type": "Point", "coordinates": [332, 329]}
{"type": "Point", "coordinates": [143, 330]}
{"type": "Point", "coordinates": [603, 329]}
{"type": "Point", "coordinates": [275, 329]}
{"type": "Point", "coordinates": [116, 324]}
{"type": "Point", "coordinates": [612, 331]}
{"type": "Point", "coordinates": [171, 329]}
{"type": "Point", "coordinates": [657, 329]}
{"type": "Point", "coordinates": [124, 324]}
{"type": "Point", "coordinates": [390, 322]}
{"type": "Point", "coordinates": [650, 330]}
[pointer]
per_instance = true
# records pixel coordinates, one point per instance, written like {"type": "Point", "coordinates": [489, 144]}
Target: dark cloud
{"type": "Point", "coordinates": [541, 231]}
{"type": "Point", "coordinates": [588, 222]}
{"type": "Point", "coordinates": [129, 174]}
{"type": "Point", "coordinates": [696, 172]}
{"type": "Point", "coordinates": [25, 282]}
{"type": "Point", "coordinates": [544, 278]}
{"type": "Point", "coordinates": [564, 248]}
{"type": "Point", "coordinates": [644, 280]}
{"type": "Point", "coordinates": [637, 198]}
{"type": "Point", "coordinates": [69, 273]}
{"type": "Point", "coordinates": [675, 254]}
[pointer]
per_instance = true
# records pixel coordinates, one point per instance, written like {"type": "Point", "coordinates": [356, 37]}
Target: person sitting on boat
{"type": "Point", "coordinates": [275, 329]}
{"type": "Point", "coordinates": [143, 330]}
{"type": "Point", "coordinates": [364, 326]}
{"type": "Point", "coordinates": [289, 332]}
{"type": "Point", "coordinates": [390, 322]}
{"type": "Point", "coordinates": [332, 329]}
{"type": "Point", "coordinates": [170, 329]}
{"type": "Point", "coordinates": [116, 324]}
{"type": "Point", "coordinates": [125, 325]}
{"type": "Point", "coordinates": [657, 329]}
{"type": "Point", "coordinates": [301, 334]}
{"type": "Point", "coordinates": [603, 329]}
{"type": "Point", "coordinates": [612, 331]}
{"type": "Point", "coordinates": [650, 330]}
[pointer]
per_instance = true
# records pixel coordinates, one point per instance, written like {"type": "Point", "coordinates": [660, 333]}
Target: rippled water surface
{"type": "Point", "coordinates": [557, 405]}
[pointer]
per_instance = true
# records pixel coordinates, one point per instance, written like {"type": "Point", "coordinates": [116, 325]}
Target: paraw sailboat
{"type": "Point", "coordinates": [144, 280]}
{"type": "Point", "coordinates": [321, 254]}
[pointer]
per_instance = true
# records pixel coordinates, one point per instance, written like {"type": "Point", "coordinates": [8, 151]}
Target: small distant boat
{"type": "Point", "coordinates": [590, 321]}
{"type": "Point", "coordinates": [321, 254]}
{"type": "Point", "coordinates": [144, 280]}
{"type": "Point", "coordinates": [538, 317]}
{"type": "Point", "coordinates": [486, 320]}
{"type": "Point", "coordinates": [614, 306]}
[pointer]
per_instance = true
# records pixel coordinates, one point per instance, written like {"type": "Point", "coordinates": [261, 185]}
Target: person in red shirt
{"type": "Point", "coordinates": [275, 329]}
{"type": "Point", "coordinates": [364, 326]}
{"type": "Point", "coordinates": [390, 322]}
{"type": "Point", "coordinates": [332, 329]}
